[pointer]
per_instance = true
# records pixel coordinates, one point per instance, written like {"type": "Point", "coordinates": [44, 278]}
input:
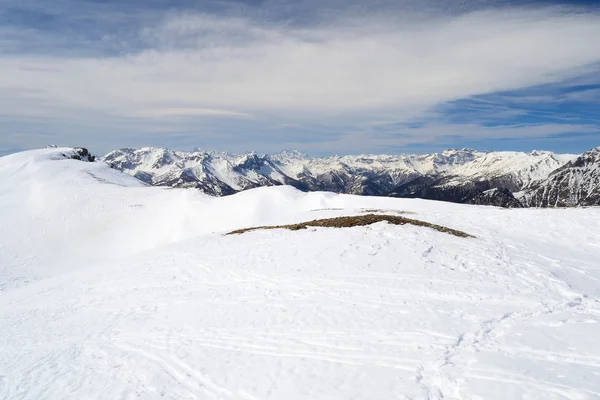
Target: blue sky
{"type": "Point", "coordinates": [320, 76]}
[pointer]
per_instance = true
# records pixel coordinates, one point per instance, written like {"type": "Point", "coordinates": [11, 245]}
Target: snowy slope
{"type": "Point", "coordinates": [111, 289]}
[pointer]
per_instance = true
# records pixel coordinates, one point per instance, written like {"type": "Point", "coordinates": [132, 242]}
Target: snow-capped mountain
{"type": "Point", "coordinates": [492, 173]}
{"type": "Point", "coordinates": [512, 170]}
{"type": "Point", "coordinates": [577, 183]}
{"type": "Point", "coordinates": [214, 173]}
{"type": "Point", "coordinates": [222, 173]}
{"type": "Point", "coordinates": [457, 175]}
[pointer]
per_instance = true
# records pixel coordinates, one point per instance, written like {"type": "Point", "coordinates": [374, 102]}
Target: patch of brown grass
{"type": "Point", "coordinates": [359, 220]}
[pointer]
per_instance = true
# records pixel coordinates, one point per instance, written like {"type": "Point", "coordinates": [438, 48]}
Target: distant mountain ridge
{"type": "Point", "coordinates": [506, 179]}
{"type": "Point", "coordinates": [577, 183]}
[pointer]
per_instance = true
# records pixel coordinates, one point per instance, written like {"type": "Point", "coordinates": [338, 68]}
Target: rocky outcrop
{"type": "Point", "coordinates": [82, 154]}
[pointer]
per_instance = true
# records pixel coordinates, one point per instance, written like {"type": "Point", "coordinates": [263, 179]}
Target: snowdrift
{"type": "Point", "coordinates": [113, 289]}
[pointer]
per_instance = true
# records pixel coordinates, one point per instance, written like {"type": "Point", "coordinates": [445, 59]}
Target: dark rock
{"type": "Point", "coordinates": [496, 197]}
{"type": "Point", "coordinates": [82, 154]}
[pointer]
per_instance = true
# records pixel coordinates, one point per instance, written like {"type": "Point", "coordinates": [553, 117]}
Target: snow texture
{"type": "Point", "coordinates": [112, 289]}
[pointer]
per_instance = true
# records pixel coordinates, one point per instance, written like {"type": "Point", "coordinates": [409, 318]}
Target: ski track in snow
{"type": "Point", "coordinates": [113, 290]}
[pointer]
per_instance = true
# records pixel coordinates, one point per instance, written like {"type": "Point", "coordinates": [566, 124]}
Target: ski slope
{"type": "Point", "coordinates": [110, 289]}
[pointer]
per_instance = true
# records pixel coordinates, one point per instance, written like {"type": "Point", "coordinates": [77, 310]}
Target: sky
{"type": "Point", "coordinates": [319, 76]}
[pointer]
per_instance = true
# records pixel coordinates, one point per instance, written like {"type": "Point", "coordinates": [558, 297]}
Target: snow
{"type": "Point", "coordinates": [160, 162]}
{"type": "Point", "coordinates": [111, 289]}
{"type": "Point", "coordinates": [576, 183]}
{"type": "Point", "coordinates": [421, 164]}
{"type": "Point", "coordinates": [224, 173]}
{"type": "Point", "coordinates": [526, 168]}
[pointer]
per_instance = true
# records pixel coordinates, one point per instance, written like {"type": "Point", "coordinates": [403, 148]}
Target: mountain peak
{"type": "Point", "coordinates": [595, 150]}
{"type": "Point", "coordinates": [288, 155]}
{"type": "Point", "coordinates": [463, 150]}
{"type": "Point", "coordinates": [292, 153]}
{"type": "Point", "coordinates": [537, 153]}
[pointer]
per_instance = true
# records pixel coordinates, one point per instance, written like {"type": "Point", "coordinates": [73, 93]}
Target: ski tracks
{"type": "Point", "coordinates": [198, 385]}
{"type": "Point", "coordinates": [443, 380]}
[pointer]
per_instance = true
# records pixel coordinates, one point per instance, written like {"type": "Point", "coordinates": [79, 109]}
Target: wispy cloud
{"type": "Point", "coordinates": [189, 112]}
{"type": "Point", "coordinates": [286, 66]}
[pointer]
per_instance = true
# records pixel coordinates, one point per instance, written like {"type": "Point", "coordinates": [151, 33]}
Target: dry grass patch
{"type": "Point", "coordinates": [359, 220]}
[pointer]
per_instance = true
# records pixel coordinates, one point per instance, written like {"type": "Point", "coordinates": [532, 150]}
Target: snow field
{"type": "Point", "coordinates": [113, 290]}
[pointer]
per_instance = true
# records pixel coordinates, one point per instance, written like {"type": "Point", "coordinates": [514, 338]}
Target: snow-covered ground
{"type": "Point", "coordinates": [110, 289]}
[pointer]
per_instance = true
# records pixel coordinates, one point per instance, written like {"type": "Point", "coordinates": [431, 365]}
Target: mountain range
{"type": "Point", "coordinates": [506, 179]}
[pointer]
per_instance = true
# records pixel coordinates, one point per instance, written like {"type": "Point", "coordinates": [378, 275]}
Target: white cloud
{"type": "Point", "coordinates": [189, 112]}
{"type": "Point", "coordinates": [440, 135]}
{"type": "Point", "coordinates": [371, 68]}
